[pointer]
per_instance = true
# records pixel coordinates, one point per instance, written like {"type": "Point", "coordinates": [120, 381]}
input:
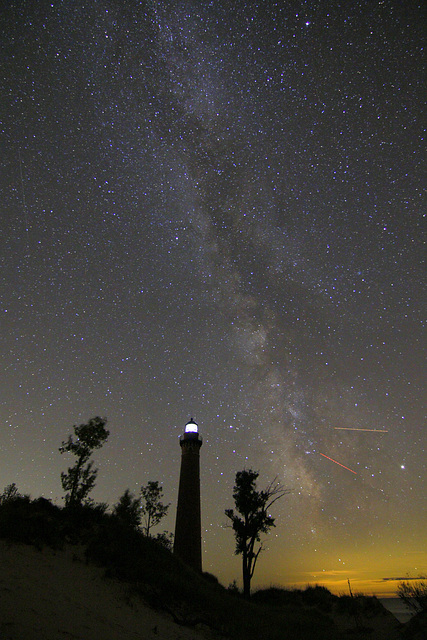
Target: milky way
{"type": "Point", "coordinates": [215, 210]}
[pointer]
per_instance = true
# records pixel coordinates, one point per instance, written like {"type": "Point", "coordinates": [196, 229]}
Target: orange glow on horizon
{"type": "Point", "coordinates": [379, 588]}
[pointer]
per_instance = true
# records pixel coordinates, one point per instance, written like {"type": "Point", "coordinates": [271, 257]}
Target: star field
{"type": "Point", "coordinates": [215, 209]}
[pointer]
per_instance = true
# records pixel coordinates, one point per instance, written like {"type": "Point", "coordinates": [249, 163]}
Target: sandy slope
{"type": "Point", "coordinates": [380, 627]}
{"type": "Point", "coordinates": [54, 595]}
{"type": "Point", "coordinates": [48, 595]}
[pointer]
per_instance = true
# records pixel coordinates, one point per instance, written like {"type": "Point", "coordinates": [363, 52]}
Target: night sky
{"type": "Point", "coordinates": [215, 210]}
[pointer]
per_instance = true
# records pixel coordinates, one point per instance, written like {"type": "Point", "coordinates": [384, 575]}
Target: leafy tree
{"type": "Point", "coordinates": [128, 509]}
{"type": "Point", "coordinates": [79, 480]}
{"type": "Point", "coordinates": [152, 508]}
{"type": "Point", "coordinates": [165, 539]}
{"type": "Point", "coordinates": [10, 493]}
{"type": "Point", "coordinates": [413, 594]}
{"type": "Point", "coordinates": [251, 519]}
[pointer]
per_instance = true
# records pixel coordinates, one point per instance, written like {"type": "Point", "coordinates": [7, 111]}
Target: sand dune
{"type": "Point", "coordinates": [54, 595]}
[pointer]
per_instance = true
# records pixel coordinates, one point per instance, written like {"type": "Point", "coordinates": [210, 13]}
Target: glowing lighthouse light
{"type": "Point", "coordinates": [191, 427]}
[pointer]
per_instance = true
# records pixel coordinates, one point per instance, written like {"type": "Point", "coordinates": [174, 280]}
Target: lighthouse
{"type": "Point", "coordinates": [188, 526]}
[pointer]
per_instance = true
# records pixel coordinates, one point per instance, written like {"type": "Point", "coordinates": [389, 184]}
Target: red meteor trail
{"type": "Point", "coordinates": [354, 429]}
{"type": "Point", "coordinates": [341, 465]}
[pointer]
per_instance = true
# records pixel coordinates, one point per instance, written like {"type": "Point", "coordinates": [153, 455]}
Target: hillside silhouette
{"type": "Point", "coordinates": [150, 576]}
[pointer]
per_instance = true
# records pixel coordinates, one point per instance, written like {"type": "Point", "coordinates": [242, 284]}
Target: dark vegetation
{"type": "Point", "coordinates": [414, 594]}
{"type": "Point", "coordinates": [80, 479]}
{"type": "Point", "coordinates": [251, 518]}
{"type": "Point", "coordinates": [155, 574]}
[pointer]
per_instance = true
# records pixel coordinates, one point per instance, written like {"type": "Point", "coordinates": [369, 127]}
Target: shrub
{"type": "Point", "coordinates": [318, 596]}
{"type": "Point", "coordinates": [413, 594]}
{"type": "Point", "coordinates": [30, 522]}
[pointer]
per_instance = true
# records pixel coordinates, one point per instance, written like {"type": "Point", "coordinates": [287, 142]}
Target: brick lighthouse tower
{"type": "Point", "coordinates": [188, 527]}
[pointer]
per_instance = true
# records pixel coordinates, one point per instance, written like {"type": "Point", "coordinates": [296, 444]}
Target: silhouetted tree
{"type": "Point", "coordinates": [10, 493]}
{"type": "Point", "coordinates": [128, 509]}
{"type": "Point", "coordinates": [413, 594]}
{"type": "Point", "coordinates": [165, 539]}
{"type": "Point", "coordinates": [152, 507]}
{"type": "Point", "coordinates": [251, 519]}
{"type": "Point", "coordinates": [79, 480]}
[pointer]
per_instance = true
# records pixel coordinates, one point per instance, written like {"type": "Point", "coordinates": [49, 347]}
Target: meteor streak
{"type": "Point", "coordinates": [355, 429]}
{"type": "Point", "coordinates": [341, 465]}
